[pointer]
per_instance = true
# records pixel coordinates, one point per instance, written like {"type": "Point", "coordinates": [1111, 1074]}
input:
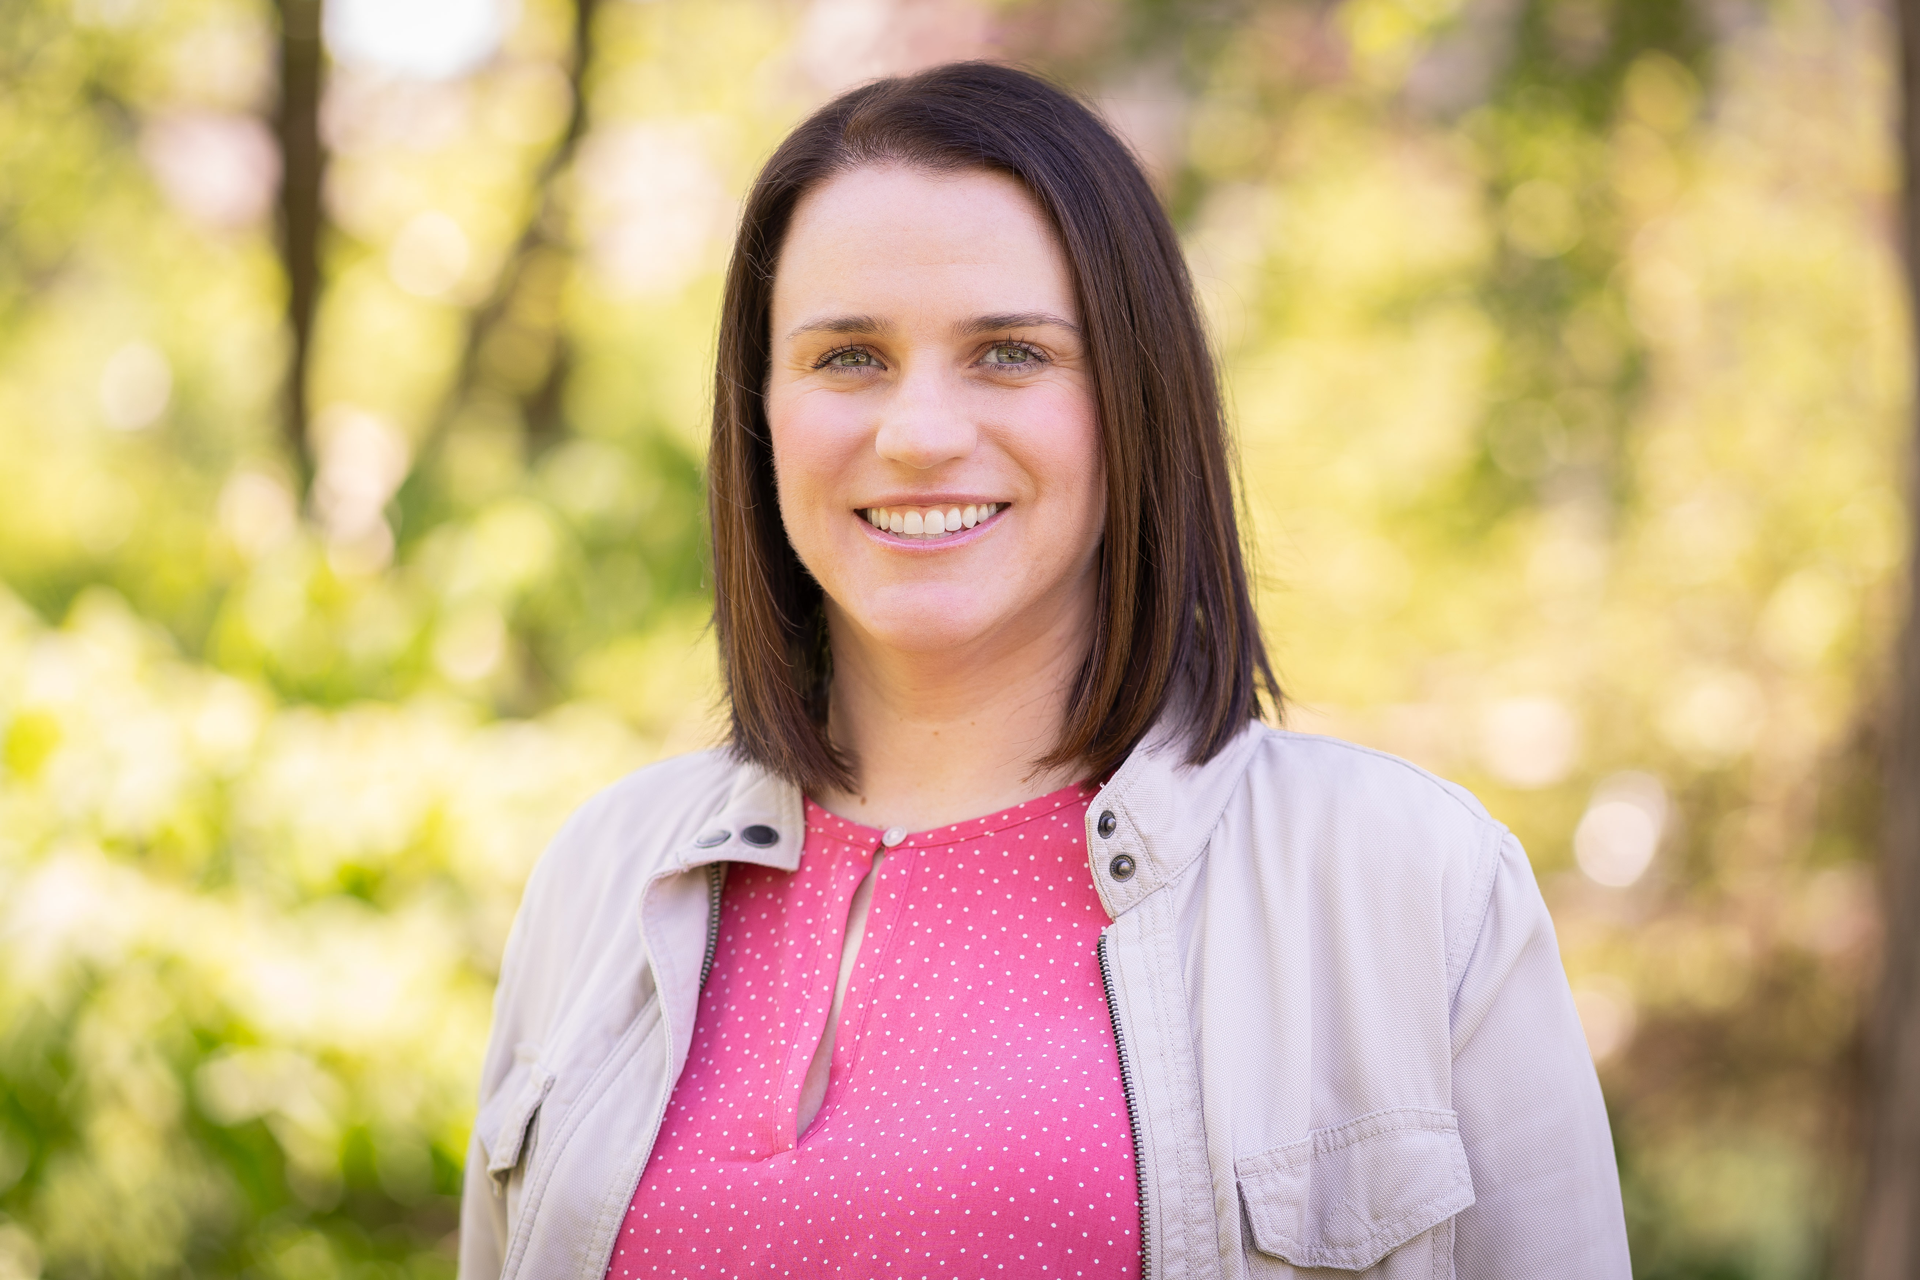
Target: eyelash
{"type": "Point", "coordinates": [1033, 353]}
{"type": "Point", "coordinates": [828, 358]}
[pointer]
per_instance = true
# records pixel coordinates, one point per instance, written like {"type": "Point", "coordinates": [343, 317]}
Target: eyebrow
{"type": "Point", "coordinates": [1017, 320]}
{"type": "Point", "coordinates": [997, 322]}
{"type": "Point", "coordinates": [840, 324]}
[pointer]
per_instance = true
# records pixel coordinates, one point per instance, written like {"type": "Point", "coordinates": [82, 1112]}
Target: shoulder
{"type": "Point", "coordinates": [1313, 768]}
{"type": "Point", "coordinates": [654, 803]}
{"type": "Point", "coordinates": [583, 896]}
{"type": "Point", "coordinates": [628, 827]}
{"type": "Point", "coordinates": [581, 901]}
{"type": "Point", "coordinates": [593, 870]}
{"type": "Point", "coordinates": [1367, 826]}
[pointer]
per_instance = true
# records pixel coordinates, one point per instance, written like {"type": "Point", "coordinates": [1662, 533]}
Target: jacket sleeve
{"type": "Point", "coordinates": [1546, 1190]}
{"type": "Point", "coordinates": [483, 1207]}
{"type": "Point", "coordinates": [483, 1219]}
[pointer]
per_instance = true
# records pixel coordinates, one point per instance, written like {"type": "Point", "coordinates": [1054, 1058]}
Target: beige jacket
{"type": "Point", "coordinates": [1345, 1035]}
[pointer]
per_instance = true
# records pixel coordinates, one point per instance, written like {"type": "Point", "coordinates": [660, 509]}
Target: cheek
{"type": "Point", "coordinates": [1070, 456]}
{"type": "Point", "coordinates": [808, 444]}
{"type": "Point", "coordinates": [817, 442]}
{"type": "Point", "coordinates": [788, 435]}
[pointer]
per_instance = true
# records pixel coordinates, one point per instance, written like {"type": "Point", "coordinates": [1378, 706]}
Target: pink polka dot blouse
{"type": "Point", "coordinates": [973, 1123]}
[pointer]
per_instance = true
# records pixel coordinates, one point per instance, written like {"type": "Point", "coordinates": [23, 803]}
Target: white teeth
{"type": "Point", "coordinates": [929, 524]}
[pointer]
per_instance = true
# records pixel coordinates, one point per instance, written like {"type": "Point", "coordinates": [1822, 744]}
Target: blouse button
{"type": "Point", "coordinates": [1108, 824]}
{"type": "Point", "coordinates": [1121, 867]}
{"type": "Point", "coordinates": [893, 836]}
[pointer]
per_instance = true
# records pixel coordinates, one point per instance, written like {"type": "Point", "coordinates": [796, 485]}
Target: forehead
{"type": "Point", "coordinates": [895, 238]}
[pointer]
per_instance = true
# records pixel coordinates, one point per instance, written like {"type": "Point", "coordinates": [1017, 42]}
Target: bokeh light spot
{"type": "Point", "coordinates": [1621, 829]}
{"type": "Point", "coordinates": [135, 387]}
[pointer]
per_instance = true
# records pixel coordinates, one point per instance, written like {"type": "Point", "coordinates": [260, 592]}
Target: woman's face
{"type": "Point", "coordinates": [935, 438]}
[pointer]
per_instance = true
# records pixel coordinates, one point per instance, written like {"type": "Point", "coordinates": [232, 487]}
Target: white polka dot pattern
{"type": "Point", "coordinates": [973, 1123]}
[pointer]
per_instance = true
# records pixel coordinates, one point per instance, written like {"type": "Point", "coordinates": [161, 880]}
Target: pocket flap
{"type": "Point", "coordinates": [1347, 1196]}
{"type": "Point", "coordinates": [505, 1116]}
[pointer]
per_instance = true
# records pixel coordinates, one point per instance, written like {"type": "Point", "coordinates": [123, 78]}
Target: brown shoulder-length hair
{"type": "Point", "coordinates": [1174, 631]}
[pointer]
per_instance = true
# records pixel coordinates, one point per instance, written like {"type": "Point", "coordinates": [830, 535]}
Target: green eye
{"type": "Point", "coordinates": [851, 358]}
{"type": "Point", "coordinates": [1010, 353]}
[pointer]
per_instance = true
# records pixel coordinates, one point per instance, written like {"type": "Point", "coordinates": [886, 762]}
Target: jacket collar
{"type": "Point", "coordinates": [762, 820]}
{"type": "Point", "coordinates": [1163, 812]}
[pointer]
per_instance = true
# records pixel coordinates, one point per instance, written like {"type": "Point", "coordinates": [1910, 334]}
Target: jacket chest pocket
{"type": "Point", "coordinates": [506, 1118]}
{"type": "Point", "coordinates": [1358, 1197]}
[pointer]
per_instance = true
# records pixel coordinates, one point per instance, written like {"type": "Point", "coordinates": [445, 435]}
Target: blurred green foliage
{"type": "Point", "coordinates": [1564, 342]}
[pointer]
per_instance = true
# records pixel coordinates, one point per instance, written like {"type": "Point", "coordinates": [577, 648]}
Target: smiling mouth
{"type": "Point", "coordinates": [930, 522]}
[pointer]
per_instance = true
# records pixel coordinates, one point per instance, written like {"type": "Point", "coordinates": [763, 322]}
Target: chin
{"type": "Point", "coordinates": [929, 621]}
{"type": "Point", "coordinates": [930, 630]}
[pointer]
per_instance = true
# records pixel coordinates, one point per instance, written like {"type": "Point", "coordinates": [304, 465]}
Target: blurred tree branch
{"type": "Point", "coordinates": [1889, 1237]}
{"type": "Point", "coordinates": [516, 344]}
{"type": "Point", "coordinates": [303, 160]}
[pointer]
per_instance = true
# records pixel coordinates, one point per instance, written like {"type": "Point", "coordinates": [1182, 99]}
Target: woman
{"type": "Point", "coordinates": [1004, 939]}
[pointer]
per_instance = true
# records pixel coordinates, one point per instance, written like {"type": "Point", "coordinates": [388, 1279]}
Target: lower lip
{"type": "Point", "coordinates": [888, 538]}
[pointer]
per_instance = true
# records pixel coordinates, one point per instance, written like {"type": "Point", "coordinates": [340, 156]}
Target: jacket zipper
{"type": "Point", "coordinates": [1133, 1114]}
{"type": "Point", "coordinates": [716, 880]}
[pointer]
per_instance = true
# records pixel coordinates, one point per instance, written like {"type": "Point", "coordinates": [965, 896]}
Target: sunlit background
{"type": "Point", "coordinates": [1566, 351]}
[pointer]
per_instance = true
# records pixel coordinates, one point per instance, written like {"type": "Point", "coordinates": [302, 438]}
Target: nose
{"type": "Point", "coordinates": [924, 422]}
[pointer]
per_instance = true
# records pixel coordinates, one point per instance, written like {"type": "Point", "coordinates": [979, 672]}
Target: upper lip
{"type": "Point", "coordinates": [930, 500]}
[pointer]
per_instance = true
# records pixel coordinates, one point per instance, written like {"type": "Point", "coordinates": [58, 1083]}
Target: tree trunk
{"type": "Point", "coordinates": [526, 293]}
{"type": "Point", "coordinates": [302, 165]}
{"type": "Point", "coordinates": [1889, 1239]}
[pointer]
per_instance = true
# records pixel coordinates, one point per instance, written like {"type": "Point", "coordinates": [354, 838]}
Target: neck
{"type": "Point", "coordinates": [941, 736]}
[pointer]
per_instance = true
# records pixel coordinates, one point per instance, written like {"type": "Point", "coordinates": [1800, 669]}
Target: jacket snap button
{"type": "Point", "coordinates": [759, 837]}
{"type": "Point", "coordinates": [1121, 867]}
{"type": "Point", "coordinates": [708, 839]}
{"type": "Point", "coordinates": [1107, 825]}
